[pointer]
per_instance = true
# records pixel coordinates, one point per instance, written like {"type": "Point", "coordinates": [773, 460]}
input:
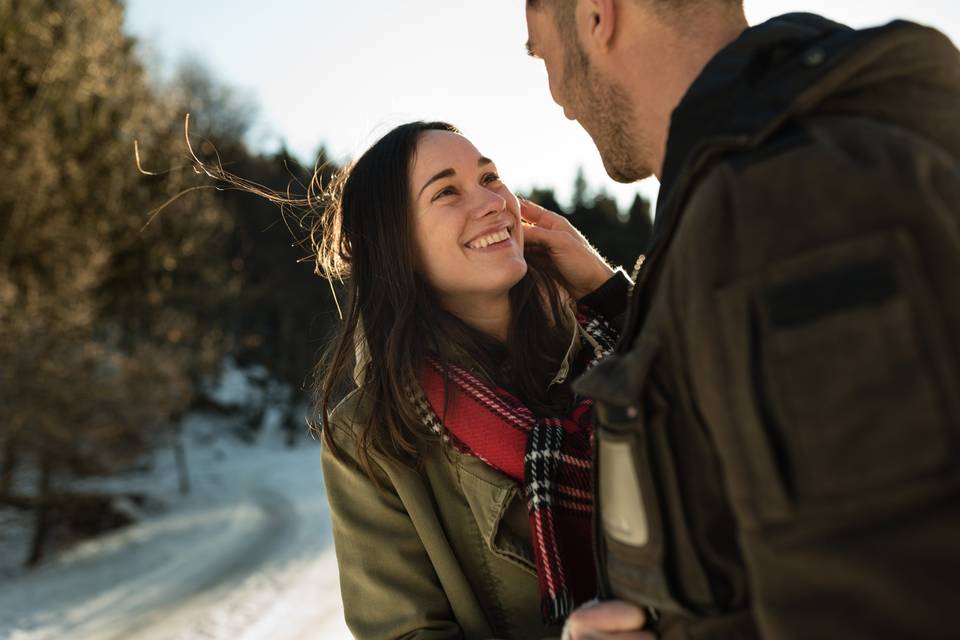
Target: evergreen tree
{"type": "Point", "coordinates": [580, 201]}
{"type": "Point", "coordinates": [84, 388]}
{"type": "Point", "coordinates": [547, 199]}
{"type": "Point", "coordinates": [640, 221]}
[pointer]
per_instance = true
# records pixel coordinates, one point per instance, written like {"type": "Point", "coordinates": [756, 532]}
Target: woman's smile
{"type": "Point", "coordinates": [492, 241]}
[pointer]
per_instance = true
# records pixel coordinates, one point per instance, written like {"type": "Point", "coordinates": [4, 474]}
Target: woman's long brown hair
{"type": "Point", "coordinates": [392, 318]}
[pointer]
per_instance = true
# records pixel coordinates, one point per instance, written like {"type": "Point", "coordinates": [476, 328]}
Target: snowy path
{"type": "Point", "coordinates": [247, 556]}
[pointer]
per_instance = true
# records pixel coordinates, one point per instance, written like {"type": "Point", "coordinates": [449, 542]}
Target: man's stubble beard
{"type": "Point", "coordinates": [604, 111]}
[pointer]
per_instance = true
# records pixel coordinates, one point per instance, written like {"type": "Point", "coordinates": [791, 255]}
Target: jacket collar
{"type": "Point", "coordinates": [799, 63]}
{"type": "Point", "coordinates": [749, 85]}
{"type": "Point", "coordinates": [787, 67]}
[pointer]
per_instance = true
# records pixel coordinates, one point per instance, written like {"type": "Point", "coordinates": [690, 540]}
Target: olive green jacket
{"type": "Point", "coordinates": [439, 552]}
{"type": "Point", "coordinates": [779, 431]}
{"type": "Point", "coordinates": [443, 552]}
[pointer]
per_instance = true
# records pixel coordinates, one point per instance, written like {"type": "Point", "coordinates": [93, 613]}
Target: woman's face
{"type": "Point", "coordinates": [466, 222]}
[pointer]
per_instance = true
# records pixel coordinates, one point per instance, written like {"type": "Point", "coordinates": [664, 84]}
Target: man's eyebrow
{"type": "Point", "coordinates": [484, 160]}
{"type": "Point", "coordinates": [446, 173]}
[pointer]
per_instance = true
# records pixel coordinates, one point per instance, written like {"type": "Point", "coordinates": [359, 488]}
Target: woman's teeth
{"type": "Point", "coordinates": [487, 240]}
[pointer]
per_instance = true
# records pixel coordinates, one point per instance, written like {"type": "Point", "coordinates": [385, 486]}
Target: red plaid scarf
{"type": "Point", "coordinates": [549, 456]}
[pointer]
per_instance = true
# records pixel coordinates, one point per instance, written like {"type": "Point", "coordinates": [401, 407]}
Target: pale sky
{"type": "Point", "coordinates": [344, 72]}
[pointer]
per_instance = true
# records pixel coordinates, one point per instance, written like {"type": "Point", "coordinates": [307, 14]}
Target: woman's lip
{"type": "Point", "coordinates": [507, 227]}
{"type": "Point", "coordinates": [496, 246]}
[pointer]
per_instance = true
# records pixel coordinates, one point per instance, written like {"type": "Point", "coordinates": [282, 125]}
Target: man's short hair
{"type": "Point", "coordinates": [563, 10]}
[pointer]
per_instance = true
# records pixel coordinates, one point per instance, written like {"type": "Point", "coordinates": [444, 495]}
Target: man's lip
{"type": "Point", "coordinates": [507, 226]}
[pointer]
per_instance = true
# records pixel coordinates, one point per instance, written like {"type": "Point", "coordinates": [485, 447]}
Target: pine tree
{"type": "Point", "coordinates": [640, 222]}
{"type": "Point", "coordinates": [84, 388]}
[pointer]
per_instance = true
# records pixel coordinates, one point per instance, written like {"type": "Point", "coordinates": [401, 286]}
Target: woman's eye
{"type": "Point", "coordinates": [490, 177]}
{"type": "Point", "coordinates": [447, 191]}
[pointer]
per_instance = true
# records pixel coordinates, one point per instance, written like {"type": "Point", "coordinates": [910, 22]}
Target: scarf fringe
{"type": "Point", "coordinates": [556, 607]}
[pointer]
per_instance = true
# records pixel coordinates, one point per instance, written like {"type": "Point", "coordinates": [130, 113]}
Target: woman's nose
{"type": "Point", "coordinates": [490, 202]}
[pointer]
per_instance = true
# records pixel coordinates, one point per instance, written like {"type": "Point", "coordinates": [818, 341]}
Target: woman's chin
{"type": "Point", "coordinates": [520, 270]}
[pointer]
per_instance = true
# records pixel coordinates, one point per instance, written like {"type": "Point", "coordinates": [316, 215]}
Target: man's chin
{"type": "Point", "coordinates": [625, 174]}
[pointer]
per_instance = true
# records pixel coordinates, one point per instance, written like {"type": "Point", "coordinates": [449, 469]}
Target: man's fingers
{"type": "Point", "coordinates": [611, 616]}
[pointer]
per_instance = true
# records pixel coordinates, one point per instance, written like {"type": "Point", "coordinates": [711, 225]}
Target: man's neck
{"type": "Point", "coordinates": [656, 89]}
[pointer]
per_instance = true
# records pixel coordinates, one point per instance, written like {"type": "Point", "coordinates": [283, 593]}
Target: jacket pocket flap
{"type": "Point", "coordinates": [490, 495]}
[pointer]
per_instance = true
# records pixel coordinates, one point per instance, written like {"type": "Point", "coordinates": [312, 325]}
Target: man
{"type": "Point", "coordinates": [779, 431]}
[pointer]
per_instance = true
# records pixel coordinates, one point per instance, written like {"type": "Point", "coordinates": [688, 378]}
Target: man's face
{"type": "Point", "coordinates": [600, 106]}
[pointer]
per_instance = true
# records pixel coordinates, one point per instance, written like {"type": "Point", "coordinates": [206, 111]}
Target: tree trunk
{"type": "Point", "coordinates": [41, 519]}
{"type": "Point", "coordinates": [183, 472]}
{"type": "Point", "coordinates": [8, 465]}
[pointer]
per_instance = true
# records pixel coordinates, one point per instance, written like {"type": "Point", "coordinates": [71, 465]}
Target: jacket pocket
{"type": "Point", "coordinates": [840, 378]}
{"type": "Point", "coordinates": [498, 506]}
{"type": "Point", "coordinates": [630, 532]}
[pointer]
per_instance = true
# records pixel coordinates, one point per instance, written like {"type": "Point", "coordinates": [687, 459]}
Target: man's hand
{"type": "Point", "coordinates": [579, 263]}
{"type": "Point", "coordinates": [610, 620]}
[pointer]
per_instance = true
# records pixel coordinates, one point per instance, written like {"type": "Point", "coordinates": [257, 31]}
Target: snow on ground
{"type": "Point", "coordinates": [247, 555]}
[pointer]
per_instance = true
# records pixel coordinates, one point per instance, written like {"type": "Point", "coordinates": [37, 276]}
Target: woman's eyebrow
{"type": "Point", "coordinates": [447, 173]}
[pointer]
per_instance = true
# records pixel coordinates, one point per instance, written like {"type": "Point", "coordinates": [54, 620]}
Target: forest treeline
{"type": "Point", "coordinates": [114, 308]}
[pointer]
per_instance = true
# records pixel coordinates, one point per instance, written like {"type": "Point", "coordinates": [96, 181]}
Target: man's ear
{"type": "Point", "coordinates": [597, 23]}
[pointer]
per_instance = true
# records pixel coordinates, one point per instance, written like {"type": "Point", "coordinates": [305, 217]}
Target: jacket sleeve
{"type": "Point", "coordinates": [826, 362]}
{"type": "Point", "coordinates": [388, 584]}
{"type": "Point", "coordinates": [610, 299]}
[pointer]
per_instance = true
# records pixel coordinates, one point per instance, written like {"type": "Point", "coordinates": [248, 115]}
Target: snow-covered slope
{"type": "Point", "coordinates": [246, 556]}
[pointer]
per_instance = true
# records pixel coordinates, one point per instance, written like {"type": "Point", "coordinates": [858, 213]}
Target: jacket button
{"type": "Point", "coordinates": [814, 57]}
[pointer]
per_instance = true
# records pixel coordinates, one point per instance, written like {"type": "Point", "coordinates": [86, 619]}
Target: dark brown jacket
{"type": "Point", "coordinates": [779, 454]}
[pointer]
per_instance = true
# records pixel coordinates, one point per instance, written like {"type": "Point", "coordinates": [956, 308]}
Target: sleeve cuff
{"type": "Point", "coordinates": [610, 298]}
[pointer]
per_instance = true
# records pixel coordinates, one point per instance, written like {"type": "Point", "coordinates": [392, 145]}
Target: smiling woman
{"type": "Point", "coordinates": [457, 460]}
{"type": "Point", "coordinates": [467, 227]}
